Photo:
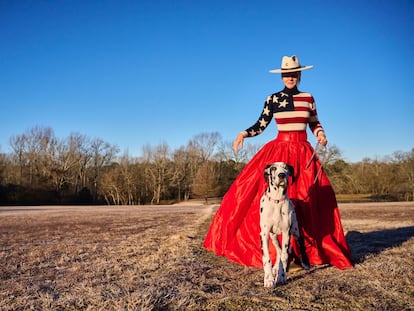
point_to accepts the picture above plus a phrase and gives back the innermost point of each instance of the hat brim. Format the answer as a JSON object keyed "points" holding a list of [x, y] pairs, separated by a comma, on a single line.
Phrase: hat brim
{"points": [[291, 70]]}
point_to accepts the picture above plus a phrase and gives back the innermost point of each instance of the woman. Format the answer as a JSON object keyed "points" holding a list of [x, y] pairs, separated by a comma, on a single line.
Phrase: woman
{"points": [[235, 230]]}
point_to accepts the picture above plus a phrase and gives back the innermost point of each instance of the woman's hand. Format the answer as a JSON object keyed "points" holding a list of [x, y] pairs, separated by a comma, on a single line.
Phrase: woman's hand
{"points": [[322, 139], [238, 142]]}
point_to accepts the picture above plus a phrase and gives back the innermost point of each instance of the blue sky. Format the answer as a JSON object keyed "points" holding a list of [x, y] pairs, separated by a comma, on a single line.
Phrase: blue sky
{"points": [[146, 72]]}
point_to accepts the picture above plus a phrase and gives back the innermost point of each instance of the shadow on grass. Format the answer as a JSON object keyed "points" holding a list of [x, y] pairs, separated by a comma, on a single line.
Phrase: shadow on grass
{"points": [[364, 244]]}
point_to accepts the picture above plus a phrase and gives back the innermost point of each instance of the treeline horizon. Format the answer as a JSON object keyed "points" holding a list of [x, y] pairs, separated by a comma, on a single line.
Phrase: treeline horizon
{"points": [[43, 169]]}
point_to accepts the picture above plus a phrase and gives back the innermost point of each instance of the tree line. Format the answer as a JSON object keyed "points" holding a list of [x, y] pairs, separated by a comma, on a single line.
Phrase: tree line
{"points": [[43, 169]]}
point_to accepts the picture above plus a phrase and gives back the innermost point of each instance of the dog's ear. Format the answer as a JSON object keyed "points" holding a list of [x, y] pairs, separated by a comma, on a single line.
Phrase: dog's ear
{"points": [[291, 172], [267, 173]]}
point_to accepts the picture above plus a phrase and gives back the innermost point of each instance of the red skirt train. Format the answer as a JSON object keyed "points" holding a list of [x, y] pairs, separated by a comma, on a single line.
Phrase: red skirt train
{"points": [[235, 229]]}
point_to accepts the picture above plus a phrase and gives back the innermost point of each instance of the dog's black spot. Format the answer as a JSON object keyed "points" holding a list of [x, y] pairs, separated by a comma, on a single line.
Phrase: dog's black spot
{"points": [[261, 210]]}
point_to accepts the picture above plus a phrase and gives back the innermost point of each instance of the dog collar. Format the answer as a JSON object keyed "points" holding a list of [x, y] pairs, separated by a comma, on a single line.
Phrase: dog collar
{"points": [[275, 200]]}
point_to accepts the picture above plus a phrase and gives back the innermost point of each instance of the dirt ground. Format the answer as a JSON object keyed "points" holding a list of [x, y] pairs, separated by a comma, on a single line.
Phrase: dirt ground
{"points": [[151, 258]]}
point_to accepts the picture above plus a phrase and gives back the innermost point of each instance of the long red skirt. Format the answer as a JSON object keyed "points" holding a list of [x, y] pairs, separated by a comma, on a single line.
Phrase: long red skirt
{"points": [[235, 229]]}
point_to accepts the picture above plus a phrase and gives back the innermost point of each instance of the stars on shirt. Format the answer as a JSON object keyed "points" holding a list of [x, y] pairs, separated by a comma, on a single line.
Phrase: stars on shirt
{"points": [[263, 123], [268, 99], [252, 132], [283, 103]]}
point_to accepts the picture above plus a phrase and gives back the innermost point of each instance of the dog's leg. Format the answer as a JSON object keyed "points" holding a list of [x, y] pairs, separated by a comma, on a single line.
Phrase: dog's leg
{"points": [[281, 274], [267, 263], [294, 230], [304, 260], [278, 264]]}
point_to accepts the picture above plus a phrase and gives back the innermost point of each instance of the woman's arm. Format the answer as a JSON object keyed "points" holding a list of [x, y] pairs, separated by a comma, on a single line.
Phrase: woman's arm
{"points": [[316, 126], [256, 129]]}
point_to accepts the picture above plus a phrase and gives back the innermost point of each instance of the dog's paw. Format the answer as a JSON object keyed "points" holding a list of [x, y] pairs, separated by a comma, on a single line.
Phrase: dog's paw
{"points": [[281, 278], [268, 281]]}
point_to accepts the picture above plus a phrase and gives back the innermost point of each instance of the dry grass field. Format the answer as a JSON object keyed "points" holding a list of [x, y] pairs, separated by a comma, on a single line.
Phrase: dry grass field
{"points": [[151, 258]]}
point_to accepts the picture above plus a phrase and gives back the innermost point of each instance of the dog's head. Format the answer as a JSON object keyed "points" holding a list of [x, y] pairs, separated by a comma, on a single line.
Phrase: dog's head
{"points": [[277, 174]]}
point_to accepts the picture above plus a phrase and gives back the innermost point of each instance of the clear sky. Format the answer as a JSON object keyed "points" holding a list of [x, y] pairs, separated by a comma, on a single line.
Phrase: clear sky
{"points": [[148, 71]]}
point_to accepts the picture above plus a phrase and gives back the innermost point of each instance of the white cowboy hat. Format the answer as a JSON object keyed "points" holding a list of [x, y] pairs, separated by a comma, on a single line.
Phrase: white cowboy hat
{"points": [[290, 64]]}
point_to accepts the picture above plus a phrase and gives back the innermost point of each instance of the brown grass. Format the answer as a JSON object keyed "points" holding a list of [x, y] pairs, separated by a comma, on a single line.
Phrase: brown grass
{"points": [[151, 258]]}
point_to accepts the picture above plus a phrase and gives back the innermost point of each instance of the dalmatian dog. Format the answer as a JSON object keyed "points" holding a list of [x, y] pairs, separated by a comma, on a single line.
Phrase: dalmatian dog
{"points": [[277, 216]]}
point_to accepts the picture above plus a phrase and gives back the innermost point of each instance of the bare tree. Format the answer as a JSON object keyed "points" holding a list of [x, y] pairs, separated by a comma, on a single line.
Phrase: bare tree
{"points": [[102, 155], [109, 186], [18, 145], [225, 152], [206, 181], [205, 144], [157, 160], [118, 184], [82, 153], [181, 177], [405, 167], [33, 151], [3, 167], [329, 154]]}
